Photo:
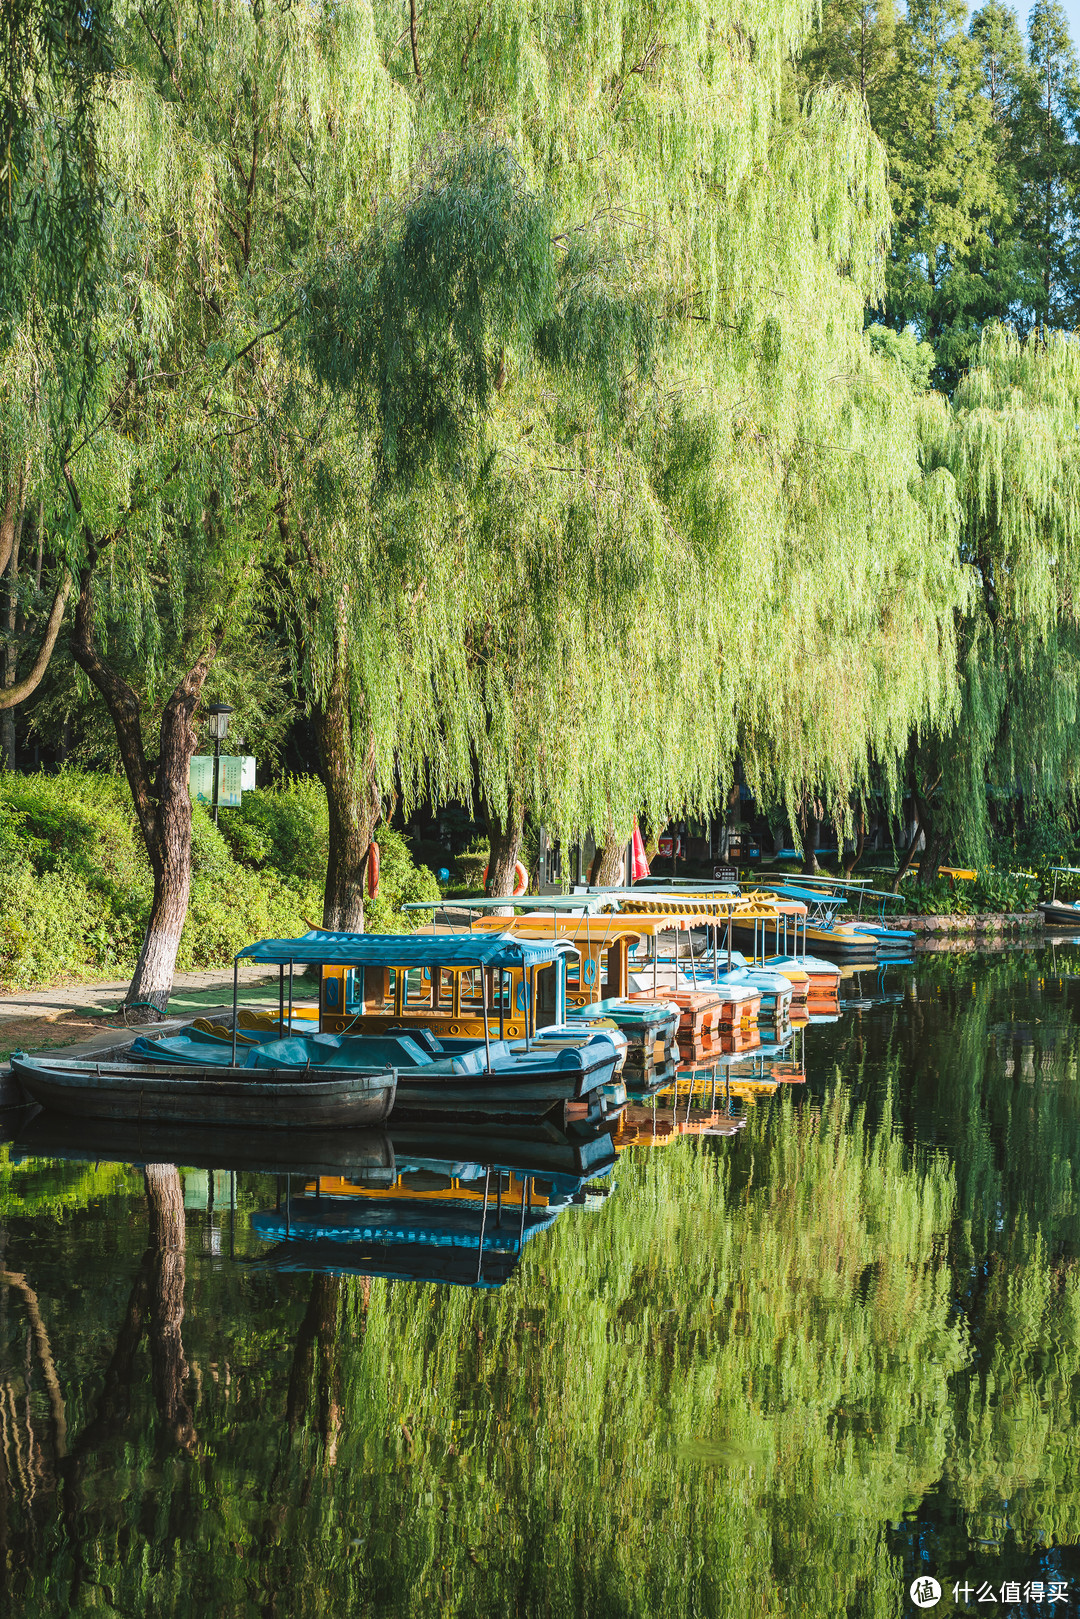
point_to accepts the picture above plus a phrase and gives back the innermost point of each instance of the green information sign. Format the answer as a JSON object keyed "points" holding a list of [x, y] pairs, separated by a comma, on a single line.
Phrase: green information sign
{"points": [[236, 776]]}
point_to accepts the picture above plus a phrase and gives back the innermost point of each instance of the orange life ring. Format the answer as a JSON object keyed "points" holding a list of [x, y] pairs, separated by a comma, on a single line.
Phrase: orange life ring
{"points": [[522, 879], [373, 869]]}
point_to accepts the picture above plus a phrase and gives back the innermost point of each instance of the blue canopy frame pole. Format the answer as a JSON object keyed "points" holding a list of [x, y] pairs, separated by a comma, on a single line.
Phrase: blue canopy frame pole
{"points": [[487, 1037], [235, 995]]}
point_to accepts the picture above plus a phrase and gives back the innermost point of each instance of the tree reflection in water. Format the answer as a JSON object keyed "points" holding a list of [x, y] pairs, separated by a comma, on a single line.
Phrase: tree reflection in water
{"points": [[756, 1380]]}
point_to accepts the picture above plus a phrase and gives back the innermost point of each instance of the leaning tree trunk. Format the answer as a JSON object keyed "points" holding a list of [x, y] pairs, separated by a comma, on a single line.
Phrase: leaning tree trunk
{"points": [[165, 1201], [353, 803], [162, 807], [162, 803]]}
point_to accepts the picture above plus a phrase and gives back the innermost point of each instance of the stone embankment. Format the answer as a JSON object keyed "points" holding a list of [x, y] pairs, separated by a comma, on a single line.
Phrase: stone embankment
{"points": [[989, 922]]}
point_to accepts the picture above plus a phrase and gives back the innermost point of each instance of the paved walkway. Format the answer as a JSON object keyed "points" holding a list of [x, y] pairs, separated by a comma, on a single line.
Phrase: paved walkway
{"points": [[188, 988]]}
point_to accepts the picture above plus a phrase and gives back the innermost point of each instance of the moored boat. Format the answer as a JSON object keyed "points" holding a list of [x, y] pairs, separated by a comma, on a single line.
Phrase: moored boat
{"points": [[1061, 913], [267, 1098]]}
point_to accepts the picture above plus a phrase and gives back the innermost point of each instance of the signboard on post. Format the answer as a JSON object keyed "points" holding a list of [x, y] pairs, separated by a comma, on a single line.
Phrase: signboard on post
{"points": [[236, 775]]}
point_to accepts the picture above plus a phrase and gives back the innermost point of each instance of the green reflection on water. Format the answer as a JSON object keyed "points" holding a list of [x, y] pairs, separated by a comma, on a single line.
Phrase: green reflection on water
{"points": [[719, 1394]]}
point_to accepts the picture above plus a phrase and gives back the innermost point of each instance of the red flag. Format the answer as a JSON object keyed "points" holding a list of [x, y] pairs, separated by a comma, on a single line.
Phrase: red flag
{"points": [[639, 866]]}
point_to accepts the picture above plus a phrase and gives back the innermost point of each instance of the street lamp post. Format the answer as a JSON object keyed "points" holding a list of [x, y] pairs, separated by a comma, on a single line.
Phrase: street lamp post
{"points": [[218, 722]]}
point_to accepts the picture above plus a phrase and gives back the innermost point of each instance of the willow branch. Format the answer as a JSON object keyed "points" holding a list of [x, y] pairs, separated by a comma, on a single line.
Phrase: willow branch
{"points": [[11, 695], [269, 332], [412, 42]]}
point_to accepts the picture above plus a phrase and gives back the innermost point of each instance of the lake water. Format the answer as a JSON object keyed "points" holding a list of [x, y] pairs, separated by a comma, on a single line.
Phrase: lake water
{"points": [[782, 1372]]}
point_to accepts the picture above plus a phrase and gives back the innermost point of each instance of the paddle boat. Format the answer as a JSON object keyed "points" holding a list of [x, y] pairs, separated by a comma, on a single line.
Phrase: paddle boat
{"points": [[596, 982], [1061, 913], [848, 941], [833, 894]]}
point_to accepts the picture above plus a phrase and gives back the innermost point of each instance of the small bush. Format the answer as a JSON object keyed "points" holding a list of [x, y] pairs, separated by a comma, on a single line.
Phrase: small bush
{"points": [[285, 828]]}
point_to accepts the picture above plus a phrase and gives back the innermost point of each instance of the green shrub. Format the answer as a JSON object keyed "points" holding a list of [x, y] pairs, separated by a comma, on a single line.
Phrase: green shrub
{"points": [[285, 828], [994, 890], [75, 884]]}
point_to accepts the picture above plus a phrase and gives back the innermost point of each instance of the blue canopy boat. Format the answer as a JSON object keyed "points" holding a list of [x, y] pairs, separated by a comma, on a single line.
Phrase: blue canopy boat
{"points": [[437, 1076]]}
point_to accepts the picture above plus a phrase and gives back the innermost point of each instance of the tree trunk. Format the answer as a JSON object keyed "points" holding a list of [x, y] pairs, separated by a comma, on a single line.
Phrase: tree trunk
{"points": [[165, 1201], [811, 839], [314, 1380], [608, 864], [931, 858], [505, 831], [162, 807], [353, 803], [852, 860], [7, 715]]}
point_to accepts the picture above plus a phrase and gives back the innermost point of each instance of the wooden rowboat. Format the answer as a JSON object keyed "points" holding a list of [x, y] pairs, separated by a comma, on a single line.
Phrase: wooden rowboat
{"points": [[268, 1098]]}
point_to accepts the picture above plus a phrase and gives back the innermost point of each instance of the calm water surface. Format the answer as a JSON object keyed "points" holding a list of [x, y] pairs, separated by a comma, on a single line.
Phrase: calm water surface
{"points": [[782, 1372]]}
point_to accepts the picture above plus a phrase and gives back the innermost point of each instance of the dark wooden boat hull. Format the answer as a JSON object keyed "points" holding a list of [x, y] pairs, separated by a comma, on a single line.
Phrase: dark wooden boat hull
{"points": [[507, 1095], [1066, 917], [363, 1156], [266, 1098]]}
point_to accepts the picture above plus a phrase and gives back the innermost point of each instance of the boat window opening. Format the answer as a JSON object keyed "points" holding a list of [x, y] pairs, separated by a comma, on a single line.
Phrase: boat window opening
{"points": [[546, 989], [354, 990], [472, 988], [417, 989]]}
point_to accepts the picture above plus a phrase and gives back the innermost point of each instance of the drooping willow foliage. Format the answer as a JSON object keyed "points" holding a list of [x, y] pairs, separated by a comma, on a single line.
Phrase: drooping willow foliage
{"points": [[682, 501], [1010, 446], [523, 362]]}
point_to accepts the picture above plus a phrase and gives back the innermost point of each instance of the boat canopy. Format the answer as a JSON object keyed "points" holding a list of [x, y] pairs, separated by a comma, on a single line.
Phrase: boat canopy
{"points": [[407, 950], [585, 903]]}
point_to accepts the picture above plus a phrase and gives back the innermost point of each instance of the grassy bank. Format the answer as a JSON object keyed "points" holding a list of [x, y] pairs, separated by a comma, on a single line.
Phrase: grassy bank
{"points": [[75, 884]]}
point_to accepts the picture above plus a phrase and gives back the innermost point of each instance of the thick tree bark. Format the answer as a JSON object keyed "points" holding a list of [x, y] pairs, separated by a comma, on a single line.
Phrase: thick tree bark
{"points": [[607, 869], [353, 803], [504, 844], [165, 1202], [931, 858], [162, 806]]}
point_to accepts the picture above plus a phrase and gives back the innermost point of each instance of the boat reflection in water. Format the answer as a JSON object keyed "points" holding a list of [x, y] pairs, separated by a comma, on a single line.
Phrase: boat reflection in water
{"points": [[411, 1205]]}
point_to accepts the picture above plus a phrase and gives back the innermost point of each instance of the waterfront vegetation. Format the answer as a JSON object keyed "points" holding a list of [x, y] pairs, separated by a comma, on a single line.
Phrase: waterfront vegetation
{"points": [[757, 1379], [76, 886], [541, 410]]}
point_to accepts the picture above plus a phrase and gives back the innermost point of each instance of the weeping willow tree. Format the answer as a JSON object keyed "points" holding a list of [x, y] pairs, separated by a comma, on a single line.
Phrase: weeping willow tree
{"points": [[164, 486], [1010, 446], [681, 496], [524, 357]]}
